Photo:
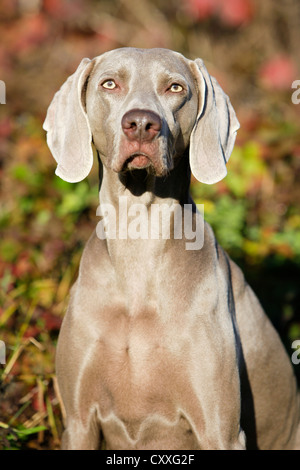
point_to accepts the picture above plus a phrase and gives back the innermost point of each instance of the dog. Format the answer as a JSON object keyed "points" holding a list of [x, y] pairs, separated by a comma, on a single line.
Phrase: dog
{"points": [[163, 346]]}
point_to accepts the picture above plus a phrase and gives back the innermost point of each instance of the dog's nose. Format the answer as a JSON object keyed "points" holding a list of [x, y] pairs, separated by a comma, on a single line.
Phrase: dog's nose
{"points": [[142, 125]]}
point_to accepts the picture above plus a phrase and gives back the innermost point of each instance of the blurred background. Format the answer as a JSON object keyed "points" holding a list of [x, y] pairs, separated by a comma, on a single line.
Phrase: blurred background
{"points": [[252, 48]]}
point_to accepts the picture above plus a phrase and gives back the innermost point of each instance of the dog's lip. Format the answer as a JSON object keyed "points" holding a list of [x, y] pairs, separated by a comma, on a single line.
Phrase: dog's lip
{"points": [[137, 160]]}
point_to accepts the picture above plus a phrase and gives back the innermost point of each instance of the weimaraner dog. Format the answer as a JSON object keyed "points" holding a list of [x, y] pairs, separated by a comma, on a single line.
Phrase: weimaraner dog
{"points": [[164, 345]]}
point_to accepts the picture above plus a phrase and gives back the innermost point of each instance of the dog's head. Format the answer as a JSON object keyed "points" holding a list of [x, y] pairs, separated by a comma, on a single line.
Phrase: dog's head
{"points": [[142, 108]]}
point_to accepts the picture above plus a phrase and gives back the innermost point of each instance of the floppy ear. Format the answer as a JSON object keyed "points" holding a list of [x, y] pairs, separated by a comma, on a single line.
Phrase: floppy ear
{"points": [[68, 131], [214, 133]]}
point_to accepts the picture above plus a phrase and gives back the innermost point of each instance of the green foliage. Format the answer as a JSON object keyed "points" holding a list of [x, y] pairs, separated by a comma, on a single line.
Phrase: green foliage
{"points": [[245, 209], [228, 219], [15, 438], [75, 198], [245, 166]]}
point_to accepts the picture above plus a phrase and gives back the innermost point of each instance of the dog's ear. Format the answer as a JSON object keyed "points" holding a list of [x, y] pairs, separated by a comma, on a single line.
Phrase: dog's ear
{"points": [[68, 131], [213, 136]]}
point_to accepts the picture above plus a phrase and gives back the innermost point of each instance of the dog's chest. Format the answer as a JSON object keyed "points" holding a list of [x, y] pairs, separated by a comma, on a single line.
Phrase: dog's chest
{"points": [[139, 376], [138, 352]]}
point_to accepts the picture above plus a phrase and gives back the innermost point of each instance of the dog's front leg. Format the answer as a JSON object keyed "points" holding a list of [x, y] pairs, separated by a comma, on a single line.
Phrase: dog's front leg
{"points": [[213, 401]]}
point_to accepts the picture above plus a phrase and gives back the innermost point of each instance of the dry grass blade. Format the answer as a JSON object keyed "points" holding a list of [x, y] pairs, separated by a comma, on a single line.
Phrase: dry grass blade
{"points": [[8, 313], [51, 420], [58, 396], [17, 354], [41, 406], [36, 419]]}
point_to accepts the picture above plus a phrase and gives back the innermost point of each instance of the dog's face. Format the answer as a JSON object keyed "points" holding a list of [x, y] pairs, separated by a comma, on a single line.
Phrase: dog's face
{"points": [[142, 108]]}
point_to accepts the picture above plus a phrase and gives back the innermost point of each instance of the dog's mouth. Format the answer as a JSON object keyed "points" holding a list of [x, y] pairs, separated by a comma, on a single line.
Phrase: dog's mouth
{"points": [[134, 156], [136, 161]]}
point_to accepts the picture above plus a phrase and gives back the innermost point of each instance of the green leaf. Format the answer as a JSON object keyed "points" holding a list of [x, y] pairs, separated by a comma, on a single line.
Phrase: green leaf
{"points": [[228, 220], [27, 432]]}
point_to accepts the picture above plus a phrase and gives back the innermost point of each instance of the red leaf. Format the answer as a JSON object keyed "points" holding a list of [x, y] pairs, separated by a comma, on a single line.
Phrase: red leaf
{"points": [[296, 151], [6, 127], [54, 7], [32, 331], [231, 12], [38, 403], [30, 31], [52, 322], [236, 12], [63, 9], [22, 266], [278, 73], [202, 9]]}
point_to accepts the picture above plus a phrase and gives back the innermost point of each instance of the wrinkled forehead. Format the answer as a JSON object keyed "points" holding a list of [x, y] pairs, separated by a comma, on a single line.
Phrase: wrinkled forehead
{"points": [[143, 62]]}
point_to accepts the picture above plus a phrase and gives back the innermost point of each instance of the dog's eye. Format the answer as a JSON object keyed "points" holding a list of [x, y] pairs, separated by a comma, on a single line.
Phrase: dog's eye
{"points": [[109, 84], [176, 88]]}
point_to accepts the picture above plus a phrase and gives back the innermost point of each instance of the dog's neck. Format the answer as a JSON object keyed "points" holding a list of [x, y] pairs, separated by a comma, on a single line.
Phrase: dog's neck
{"points": [[143, 187], [128, 253]]}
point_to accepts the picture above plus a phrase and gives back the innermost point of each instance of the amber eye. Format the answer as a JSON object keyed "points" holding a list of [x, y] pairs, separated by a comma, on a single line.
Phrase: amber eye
{"points": [[176, 88], [109, 84]]}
